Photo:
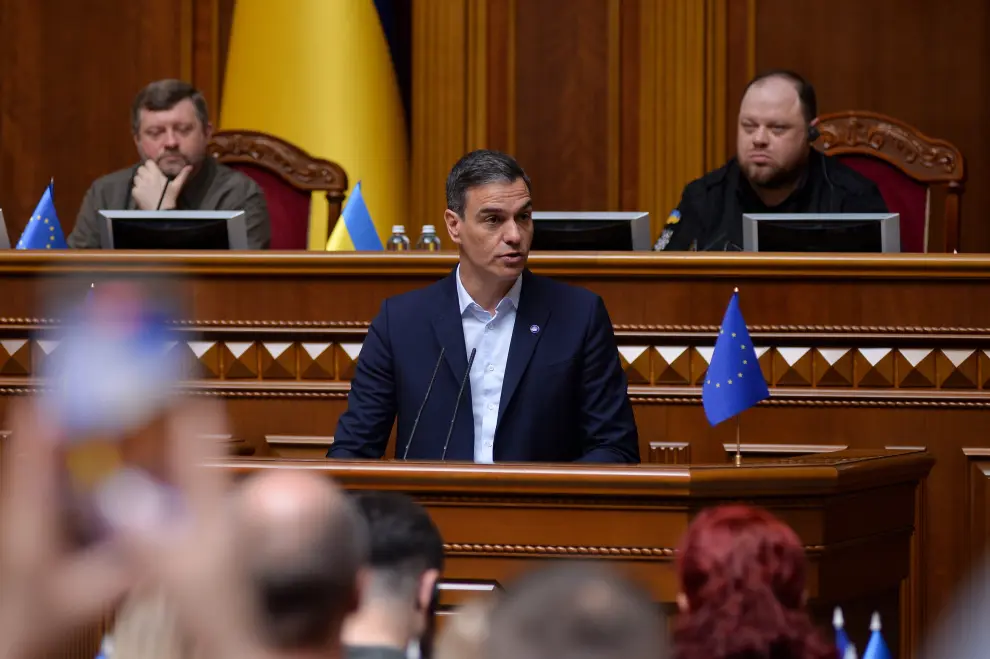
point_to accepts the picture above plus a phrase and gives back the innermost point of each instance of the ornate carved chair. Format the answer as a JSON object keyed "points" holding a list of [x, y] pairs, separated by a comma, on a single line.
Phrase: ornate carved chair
{"points": [[288, 176], [908, 167]]}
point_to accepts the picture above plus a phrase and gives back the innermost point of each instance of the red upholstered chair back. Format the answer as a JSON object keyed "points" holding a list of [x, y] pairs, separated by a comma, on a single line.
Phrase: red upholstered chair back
{"points": [[288, 176], [906, 165]]}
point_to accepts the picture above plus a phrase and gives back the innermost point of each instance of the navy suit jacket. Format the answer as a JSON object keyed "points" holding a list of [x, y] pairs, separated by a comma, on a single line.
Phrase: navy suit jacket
{"points": [[564, 395]]}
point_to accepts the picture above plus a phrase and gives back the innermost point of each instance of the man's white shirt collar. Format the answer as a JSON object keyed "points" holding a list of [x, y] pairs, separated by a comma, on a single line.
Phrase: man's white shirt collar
{"points": [[465, 300]]}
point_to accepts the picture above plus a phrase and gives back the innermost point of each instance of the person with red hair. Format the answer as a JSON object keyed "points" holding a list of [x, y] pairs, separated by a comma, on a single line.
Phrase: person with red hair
{"points": [[742, 590]]}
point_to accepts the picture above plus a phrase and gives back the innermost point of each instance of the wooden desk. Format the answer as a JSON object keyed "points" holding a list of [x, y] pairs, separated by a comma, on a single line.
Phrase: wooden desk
{"points": [[861, 352], [854, 511]]}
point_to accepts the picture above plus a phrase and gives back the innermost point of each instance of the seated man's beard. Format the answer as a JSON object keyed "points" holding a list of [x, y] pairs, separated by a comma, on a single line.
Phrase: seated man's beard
{"points": [[774, 178]]}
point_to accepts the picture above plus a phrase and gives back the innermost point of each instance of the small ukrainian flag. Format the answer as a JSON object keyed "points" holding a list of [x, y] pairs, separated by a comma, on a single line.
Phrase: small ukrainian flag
{"points": [[355, 229], [43, 230]]}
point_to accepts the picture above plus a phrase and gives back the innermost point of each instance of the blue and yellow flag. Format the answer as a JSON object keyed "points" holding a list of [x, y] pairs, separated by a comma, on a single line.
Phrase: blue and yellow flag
{"points": [[318, 73], [43, 230], [355, 230], [734, 381]]}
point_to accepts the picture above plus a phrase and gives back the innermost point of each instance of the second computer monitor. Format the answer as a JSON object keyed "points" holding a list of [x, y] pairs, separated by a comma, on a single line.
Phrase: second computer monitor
{"points": [[822, 232], [605, 231]]}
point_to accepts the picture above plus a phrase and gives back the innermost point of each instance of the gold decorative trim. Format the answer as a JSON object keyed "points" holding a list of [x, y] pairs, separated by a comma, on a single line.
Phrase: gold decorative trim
{"points": [[558, 551], [896, 332]]}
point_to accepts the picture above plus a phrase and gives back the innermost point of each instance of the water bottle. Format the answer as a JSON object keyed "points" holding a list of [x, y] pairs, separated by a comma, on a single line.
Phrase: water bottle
{"points": [[428, 240], [398, 242]]}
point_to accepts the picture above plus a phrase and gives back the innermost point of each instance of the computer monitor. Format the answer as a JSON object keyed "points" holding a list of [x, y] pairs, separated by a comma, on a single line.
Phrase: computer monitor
{"points": [[4, 237], [591, 231], [173, 230], [822, 232]]}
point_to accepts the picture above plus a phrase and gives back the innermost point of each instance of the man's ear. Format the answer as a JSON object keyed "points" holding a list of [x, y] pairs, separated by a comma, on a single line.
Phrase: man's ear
{"points": [[208, 130], [682, 603], [453, 222], [427, 584]]}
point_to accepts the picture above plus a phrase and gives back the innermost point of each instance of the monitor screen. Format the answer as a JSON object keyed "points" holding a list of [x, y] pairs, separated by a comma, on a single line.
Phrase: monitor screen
{"points": [[620, 232], [182, 230], [817, 232]]}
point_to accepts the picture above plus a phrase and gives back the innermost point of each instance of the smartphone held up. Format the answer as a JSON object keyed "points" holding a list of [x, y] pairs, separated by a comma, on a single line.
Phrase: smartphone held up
{"points": [[110, 385]]}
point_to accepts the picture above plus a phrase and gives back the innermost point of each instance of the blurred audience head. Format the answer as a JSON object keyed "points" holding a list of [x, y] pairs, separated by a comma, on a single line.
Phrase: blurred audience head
{"points": [[171, 125], [465, 634], [742, 579], [774, 134], [304, 546], [575, 611], [405, 563]]}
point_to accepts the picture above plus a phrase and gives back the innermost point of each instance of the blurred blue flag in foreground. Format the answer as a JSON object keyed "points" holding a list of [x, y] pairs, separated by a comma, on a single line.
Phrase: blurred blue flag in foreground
{"points": [[734, 381], [43, 230], [841, 638], [877, 647]]}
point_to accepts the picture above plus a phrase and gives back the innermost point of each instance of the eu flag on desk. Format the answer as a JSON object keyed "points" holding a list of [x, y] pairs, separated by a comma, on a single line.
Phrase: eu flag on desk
{"points": [[43, 230], [734, 381]]}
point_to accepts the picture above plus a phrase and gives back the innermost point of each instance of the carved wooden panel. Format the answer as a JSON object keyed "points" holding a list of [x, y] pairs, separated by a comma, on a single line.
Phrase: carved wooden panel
{"points": [[917, 155], [295, 166], [802, 368]]}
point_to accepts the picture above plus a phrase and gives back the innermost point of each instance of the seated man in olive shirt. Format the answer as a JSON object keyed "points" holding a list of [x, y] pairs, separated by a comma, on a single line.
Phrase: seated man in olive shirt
{"points": [[171, 130], [776, 170]]}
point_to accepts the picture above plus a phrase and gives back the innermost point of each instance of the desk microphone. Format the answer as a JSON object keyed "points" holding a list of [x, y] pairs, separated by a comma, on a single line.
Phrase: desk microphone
{"points": [[425, 398], [443, 456], [168, 179]]}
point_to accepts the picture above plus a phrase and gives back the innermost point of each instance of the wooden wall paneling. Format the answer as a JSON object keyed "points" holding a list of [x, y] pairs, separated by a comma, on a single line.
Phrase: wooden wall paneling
{"points": [[204, 52], [70, 72], [867, 62], [561, 102], [441, 68], [500, 78], [682, 79]]}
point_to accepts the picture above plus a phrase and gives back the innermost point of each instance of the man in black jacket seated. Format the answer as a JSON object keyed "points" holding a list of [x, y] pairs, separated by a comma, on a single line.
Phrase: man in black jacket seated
{"points": [[775, 170]]}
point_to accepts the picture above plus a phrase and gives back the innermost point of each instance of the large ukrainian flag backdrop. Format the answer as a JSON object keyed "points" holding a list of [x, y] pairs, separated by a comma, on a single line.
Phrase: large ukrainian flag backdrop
{"points": [[318, 73]]}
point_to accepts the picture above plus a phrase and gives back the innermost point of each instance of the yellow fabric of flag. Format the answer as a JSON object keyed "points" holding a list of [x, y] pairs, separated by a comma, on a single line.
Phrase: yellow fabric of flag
{"points": [[318, 74]]}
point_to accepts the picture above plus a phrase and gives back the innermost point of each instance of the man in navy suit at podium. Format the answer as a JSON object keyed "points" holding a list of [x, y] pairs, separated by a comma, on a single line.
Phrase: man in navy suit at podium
{"points": [[492, 363]]}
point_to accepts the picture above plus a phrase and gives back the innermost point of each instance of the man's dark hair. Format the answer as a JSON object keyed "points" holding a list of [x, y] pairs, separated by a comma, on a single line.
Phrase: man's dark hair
{"points": [[480, 167], [805, 90], [403, 540], [575, 611], [302, 597], [164, 95]]}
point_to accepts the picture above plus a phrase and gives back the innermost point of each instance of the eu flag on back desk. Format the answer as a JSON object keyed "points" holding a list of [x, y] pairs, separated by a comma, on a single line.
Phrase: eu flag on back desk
{"points": [[734, 381], [43, 230]]}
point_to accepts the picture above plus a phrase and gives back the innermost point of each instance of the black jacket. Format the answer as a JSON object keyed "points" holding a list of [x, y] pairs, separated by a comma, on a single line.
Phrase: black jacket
{"points": [[709, 216]]}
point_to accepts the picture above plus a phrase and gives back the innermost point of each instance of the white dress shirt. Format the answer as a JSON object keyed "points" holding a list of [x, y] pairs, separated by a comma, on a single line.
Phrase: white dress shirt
{"points": [[491, 334]]}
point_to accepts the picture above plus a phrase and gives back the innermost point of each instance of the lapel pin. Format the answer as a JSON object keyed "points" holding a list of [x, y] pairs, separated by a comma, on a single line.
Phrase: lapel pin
{"points": [[534, 328]]}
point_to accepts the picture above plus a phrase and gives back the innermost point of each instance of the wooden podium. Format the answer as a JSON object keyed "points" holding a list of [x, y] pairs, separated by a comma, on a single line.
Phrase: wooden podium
{"points": [[855, 511]]}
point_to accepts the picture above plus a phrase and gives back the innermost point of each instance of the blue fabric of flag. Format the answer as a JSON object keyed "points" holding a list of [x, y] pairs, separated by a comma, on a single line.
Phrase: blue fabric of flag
{"points": [[734, 381]]}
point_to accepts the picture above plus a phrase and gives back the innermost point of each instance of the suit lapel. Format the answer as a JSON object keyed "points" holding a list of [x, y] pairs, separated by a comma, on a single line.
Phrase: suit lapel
{"points": [[531, 321], [450, 331]]}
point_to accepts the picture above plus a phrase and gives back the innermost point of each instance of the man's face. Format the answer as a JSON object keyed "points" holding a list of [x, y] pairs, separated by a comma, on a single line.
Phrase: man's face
{"points": [[173, 138], [772, 142], [497, 228]]}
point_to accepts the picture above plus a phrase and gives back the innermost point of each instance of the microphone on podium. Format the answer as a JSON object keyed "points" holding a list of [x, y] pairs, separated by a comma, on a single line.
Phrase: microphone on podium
{"points": [[460, 393], [429, 388]]}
